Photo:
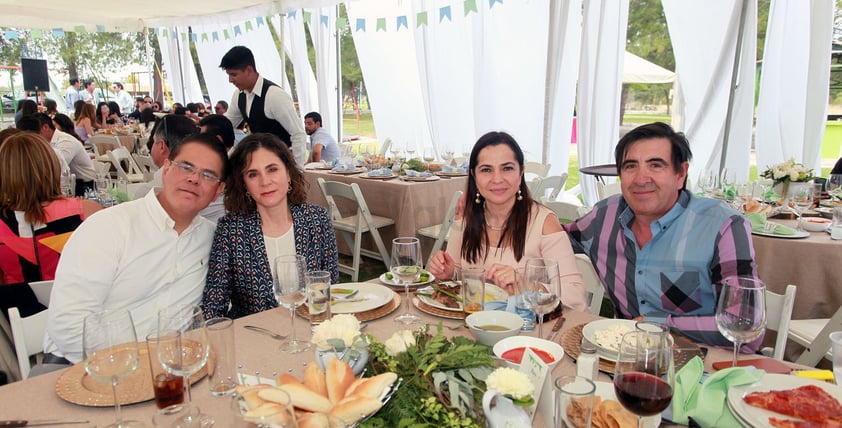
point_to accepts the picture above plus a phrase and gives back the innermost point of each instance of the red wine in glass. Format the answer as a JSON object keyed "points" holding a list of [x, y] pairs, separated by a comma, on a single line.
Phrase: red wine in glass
{"points": [[642, 394]]}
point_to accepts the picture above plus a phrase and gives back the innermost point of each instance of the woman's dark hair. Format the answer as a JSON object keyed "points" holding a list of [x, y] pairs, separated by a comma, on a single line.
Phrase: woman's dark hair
{"points": [[114, 107], [236, 195], [679, 145], [51, 106], [27, 106], [66, 125], [475, 241], [146, 116]]}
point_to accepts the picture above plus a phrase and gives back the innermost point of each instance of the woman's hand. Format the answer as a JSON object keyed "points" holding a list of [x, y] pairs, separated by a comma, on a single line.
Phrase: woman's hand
{"points": [[503, 276], [441, 265]]}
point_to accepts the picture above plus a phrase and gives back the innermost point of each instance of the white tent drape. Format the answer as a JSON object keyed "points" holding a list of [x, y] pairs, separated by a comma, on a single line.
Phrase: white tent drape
{"points": [[600, 77], [295, 45], [792, 106], [179, 70], [704, 63], [322, 27]]}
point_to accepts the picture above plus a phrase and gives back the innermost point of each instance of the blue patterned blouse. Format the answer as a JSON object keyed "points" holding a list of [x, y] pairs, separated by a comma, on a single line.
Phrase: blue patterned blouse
{"points": [[238, 269]]}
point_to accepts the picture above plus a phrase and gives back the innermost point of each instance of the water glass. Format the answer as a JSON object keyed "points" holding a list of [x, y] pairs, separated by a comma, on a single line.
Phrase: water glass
{"points": [[473, 289], [836, 226], [318, 296], [836, 348], [222, 372]]}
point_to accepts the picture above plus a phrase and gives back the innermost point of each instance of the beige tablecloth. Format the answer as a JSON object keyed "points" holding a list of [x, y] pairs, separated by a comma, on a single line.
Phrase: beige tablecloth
{"points": [[36, 397], [812, 264], [412, 205]]}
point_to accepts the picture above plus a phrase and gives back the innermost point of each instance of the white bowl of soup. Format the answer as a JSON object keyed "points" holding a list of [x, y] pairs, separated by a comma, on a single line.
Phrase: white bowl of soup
{"points": [[489, 327]]}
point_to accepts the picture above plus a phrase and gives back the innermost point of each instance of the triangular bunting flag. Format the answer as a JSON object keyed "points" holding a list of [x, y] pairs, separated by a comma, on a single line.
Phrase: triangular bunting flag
{"points": [[184, 37], [259, 20], [492, 2], [194, 37], [80, 29], [100, 28], [323, 20], [36, 34], [401, 21], [291, 14], [381, 24], [215, 36], [11, 35], [204, 37], [341, 23], [306, 15], [173, 33], [420, 19], [361, 25], [164, 32], [226, 34], [58, 32], [55, 242], [237, 31], [444, 12], [249, 27], [470, 6]]}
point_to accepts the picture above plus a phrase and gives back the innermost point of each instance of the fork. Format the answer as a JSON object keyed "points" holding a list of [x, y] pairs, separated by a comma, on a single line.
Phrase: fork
{"points": [[269, 333]]}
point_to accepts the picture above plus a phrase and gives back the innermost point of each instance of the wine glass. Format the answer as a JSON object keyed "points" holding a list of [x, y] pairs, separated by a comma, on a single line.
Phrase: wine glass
{"points": [[802, 200], [834, 185], [111, 352], [448, 156], [291, 292], [430, 155], [762, 187], [541, 288], [707, 181], [410, 150], [644, 374], [406, 266], [183, 350], [741, 311]]}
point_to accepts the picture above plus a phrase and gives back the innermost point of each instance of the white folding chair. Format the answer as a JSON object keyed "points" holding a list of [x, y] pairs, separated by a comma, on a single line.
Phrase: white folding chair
{"points": [[102, 168], [130, 172], [439, 232], [102, 143], [778, 314], [28, 335], [593, 284], [565, 211], [554, 182], [814, 335], [537, 168], [606, 190], [352, 227], [42, 290], [146, 164]]}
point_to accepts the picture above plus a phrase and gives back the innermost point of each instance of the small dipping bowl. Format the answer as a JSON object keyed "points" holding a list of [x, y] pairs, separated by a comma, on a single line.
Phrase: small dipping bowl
{"points": [[489, 327]]}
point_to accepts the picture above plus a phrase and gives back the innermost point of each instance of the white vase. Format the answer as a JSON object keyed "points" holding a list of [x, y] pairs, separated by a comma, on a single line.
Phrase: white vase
{"points": [[503, 413], [356, 358]]}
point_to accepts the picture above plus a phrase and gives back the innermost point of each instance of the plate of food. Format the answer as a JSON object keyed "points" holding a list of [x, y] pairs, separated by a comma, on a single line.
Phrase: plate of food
{"points": [[830, 203], [356, 297], [446, 295], [420, 179], [452, 173], [606, 335], [425, 278], [787, 398]]}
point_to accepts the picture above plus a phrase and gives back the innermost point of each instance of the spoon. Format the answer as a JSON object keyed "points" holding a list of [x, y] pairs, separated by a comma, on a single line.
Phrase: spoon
{"points": [[269, 333]]}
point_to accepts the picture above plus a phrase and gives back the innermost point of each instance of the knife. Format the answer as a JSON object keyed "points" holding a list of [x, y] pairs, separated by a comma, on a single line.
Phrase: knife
{"points": [[36, 422], [556, 328]]}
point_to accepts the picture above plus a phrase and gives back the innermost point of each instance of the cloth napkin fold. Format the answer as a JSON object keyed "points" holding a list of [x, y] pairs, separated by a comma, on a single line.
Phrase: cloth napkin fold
{"points": [[382, 172], [417, 174], [458, 168], [707, 403], [344, 167], [758, 223]]}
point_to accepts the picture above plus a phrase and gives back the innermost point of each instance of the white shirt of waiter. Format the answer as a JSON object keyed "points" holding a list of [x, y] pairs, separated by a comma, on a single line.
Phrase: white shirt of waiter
{"points": [[128, 256], [279, 107], [73, 153]]}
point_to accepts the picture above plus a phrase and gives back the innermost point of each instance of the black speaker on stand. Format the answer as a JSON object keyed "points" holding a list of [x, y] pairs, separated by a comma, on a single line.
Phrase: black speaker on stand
{"points": [[35, 76]]}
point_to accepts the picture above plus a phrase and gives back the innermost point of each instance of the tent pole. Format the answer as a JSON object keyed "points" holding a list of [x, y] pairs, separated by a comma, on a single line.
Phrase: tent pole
{"points": [[281, 17], [338, 81], [735, 72], [148, 59]]}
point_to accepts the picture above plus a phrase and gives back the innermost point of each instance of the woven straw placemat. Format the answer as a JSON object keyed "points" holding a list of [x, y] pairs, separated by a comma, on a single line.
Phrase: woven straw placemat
{"points": [[369, 315], [571, 340]]}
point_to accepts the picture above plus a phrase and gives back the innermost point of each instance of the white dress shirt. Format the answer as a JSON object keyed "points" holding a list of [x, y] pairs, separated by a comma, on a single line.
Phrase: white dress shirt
{"points": [[125, 101], [278, 106], [73, 152], [126, 257]]}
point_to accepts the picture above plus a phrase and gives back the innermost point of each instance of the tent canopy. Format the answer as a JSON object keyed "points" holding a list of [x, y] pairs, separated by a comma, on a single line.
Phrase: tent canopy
{"points": [[135, 16], [639, 70]]}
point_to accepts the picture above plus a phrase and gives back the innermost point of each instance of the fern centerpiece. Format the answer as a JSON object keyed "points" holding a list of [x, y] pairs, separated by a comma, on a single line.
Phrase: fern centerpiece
{"points": [[443, 379]]}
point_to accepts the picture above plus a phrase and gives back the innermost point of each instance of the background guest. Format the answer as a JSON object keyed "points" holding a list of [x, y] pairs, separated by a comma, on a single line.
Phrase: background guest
{"points": [[85, 121], [25, 107], [65, 124], [51, 108], [268, 216]]}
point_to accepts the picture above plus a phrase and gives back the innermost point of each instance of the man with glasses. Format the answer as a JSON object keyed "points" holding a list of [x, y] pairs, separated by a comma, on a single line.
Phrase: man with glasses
{"points": [[143, 255], [167, 133], [221, 107]]}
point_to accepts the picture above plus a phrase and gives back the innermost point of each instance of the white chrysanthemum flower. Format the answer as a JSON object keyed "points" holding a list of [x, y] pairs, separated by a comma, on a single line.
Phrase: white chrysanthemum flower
{"points": [[399, 342], [345, 327], [508, 381]]}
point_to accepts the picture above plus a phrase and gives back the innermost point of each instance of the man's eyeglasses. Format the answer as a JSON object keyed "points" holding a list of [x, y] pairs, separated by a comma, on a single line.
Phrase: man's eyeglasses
{"points": [[189, 170]]}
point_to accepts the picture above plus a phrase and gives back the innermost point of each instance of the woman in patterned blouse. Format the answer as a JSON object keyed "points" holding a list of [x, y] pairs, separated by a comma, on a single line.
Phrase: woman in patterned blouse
{"points": [[268, 216]]}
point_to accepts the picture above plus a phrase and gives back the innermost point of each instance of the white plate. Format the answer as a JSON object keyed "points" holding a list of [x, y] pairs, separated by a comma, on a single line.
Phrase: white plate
{"points": [[375, 296], [378, 177], [605, 390], [757, 417], [394, 282], [798, 235], [421, 179], [347, 171], [494, 293], [589, 332]]}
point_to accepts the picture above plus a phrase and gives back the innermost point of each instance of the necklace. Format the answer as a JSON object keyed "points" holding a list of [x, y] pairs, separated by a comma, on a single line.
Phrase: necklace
{"points": [[494, 228]]}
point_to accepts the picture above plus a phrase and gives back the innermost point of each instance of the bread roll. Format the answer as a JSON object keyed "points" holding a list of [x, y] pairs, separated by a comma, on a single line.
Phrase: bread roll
{"points": [[251, 396], [301, 397], [339, 377], [314, 378], [373, 387], [268, 414], [313, 420], [285, 378], [354, 410]]}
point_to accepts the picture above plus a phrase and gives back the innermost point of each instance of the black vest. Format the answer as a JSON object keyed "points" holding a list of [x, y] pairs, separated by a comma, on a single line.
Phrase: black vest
{"points": [[257, 120]]}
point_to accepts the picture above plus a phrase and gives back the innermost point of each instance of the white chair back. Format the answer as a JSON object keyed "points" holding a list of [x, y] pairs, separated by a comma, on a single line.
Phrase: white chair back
{"points": [[146, 164], [592, 283], [604, 190], [554, 183], [565, 211], [778, 314], [130, 172], [102, 143], [814, 335], [28, 335], [440, 231], [42, 290]]}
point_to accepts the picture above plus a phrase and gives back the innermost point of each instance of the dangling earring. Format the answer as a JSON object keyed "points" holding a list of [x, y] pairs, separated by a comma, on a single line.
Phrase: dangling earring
{"points": [[477, 201], [248, 196], [519, 195], [289, 187]]}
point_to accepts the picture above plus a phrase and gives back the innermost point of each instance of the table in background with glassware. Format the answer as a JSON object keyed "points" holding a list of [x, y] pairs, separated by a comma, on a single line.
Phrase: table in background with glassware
{"points": [[412, 205]]}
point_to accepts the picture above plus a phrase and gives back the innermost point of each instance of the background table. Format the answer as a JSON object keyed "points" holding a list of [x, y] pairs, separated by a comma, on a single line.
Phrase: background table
{"points": [[599, 171], [412, 205], [35, 398]]}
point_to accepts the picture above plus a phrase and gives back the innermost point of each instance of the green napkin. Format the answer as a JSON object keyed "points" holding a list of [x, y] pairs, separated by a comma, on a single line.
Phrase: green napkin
{"points": [[707, 403], [758, 222]]}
